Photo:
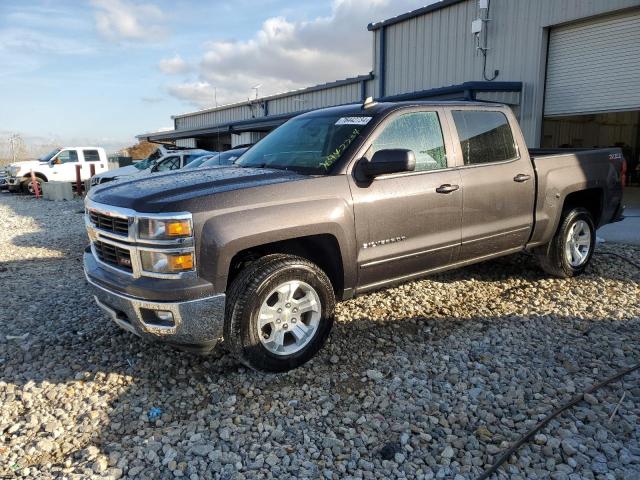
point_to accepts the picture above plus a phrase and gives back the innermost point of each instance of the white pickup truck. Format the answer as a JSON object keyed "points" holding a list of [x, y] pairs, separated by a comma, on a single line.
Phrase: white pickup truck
{"points": [[58, 165]]}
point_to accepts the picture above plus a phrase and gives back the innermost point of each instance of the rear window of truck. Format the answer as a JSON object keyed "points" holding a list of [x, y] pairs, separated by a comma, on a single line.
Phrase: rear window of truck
{"points": [[485, 137]]}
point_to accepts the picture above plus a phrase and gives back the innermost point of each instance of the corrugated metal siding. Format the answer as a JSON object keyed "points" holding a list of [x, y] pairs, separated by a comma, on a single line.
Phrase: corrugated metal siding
{"points": [[294, 102], [226, 115], [186, 142], [438, 49], [594, 66], [317, 99]]}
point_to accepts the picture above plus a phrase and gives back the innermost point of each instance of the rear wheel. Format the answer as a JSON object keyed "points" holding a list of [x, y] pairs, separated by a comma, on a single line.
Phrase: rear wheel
{"points": [[279, 313], [571, 248]]}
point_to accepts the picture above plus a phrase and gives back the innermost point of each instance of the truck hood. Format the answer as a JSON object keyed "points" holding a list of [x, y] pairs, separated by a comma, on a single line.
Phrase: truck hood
{"points": [[177, 191], [25, 165]]}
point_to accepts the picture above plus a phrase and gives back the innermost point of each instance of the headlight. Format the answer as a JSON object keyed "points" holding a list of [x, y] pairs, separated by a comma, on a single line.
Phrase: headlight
{"points": [[154, 229], [159, 262]]}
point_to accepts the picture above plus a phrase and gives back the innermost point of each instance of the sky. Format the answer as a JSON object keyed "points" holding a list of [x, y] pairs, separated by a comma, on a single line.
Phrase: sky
{"points": [[99, 72]]}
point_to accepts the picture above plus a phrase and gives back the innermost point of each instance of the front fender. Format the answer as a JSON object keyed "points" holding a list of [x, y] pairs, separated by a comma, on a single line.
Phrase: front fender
{"points": [[228, 233]]}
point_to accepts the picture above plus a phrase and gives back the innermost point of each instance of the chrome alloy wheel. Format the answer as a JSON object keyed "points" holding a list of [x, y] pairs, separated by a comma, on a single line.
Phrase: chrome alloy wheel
{"points": [[577, 244], [289, 317]]}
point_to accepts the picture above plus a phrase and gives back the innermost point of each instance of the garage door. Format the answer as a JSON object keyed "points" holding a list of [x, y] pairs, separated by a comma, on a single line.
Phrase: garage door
{"points": [[594, 66]]}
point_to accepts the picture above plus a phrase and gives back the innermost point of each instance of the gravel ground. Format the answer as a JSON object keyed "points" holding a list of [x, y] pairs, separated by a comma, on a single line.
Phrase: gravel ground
{"points": [[432, 379]]}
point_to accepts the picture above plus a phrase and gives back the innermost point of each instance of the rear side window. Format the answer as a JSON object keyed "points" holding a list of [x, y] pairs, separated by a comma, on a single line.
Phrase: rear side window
{"points": [[91, 156], [485, 137], [420, 132]]}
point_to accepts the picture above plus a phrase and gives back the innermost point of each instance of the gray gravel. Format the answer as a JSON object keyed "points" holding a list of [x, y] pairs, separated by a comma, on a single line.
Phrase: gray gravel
{"points": [[432, 379]]}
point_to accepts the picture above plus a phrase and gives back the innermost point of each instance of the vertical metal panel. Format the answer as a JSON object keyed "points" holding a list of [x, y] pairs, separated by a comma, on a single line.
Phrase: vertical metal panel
{"points": [[594, 66], [445, 53], [186, 142]]}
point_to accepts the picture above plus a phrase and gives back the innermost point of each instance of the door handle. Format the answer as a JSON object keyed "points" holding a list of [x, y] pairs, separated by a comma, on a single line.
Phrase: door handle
{"points": [[447, 188], [521, 177]]}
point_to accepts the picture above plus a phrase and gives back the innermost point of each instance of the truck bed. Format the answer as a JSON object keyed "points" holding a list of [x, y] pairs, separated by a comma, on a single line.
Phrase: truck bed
{"points": [[595, 173]]}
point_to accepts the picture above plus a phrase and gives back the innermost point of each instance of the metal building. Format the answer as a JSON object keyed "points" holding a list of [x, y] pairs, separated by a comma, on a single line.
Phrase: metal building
{"points": [[570, 69]]}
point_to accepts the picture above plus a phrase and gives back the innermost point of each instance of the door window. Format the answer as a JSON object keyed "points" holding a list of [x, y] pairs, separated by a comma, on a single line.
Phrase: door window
{"points": [[420, 132], [91, 156], [485, 137], [169, 163], [66, 156]]}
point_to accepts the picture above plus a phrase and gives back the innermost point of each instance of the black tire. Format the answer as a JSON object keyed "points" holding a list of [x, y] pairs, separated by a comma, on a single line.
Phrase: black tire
{"points": [[552, 256], [27, 186], [246, 295]]}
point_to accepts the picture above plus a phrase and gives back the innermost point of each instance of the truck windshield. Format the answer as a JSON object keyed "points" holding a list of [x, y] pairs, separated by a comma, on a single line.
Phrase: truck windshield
{"points": [[310, 145], [48, 156]]}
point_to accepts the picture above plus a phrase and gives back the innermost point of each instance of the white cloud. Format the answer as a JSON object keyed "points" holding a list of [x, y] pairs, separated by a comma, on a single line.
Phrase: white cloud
{"points": [[174, 65], [198, 93], [119, 20], [285, 55]]}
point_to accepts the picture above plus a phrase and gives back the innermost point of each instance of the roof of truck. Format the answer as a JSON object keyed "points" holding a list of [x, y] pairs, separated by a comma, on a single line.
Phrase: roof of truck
{"points": [[380, 107]]}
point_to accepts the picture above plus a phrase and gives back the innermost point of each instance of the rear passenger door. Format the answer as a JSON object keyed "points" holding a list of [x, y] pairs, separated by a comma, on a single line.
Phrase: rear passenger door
{"points": [[405, 226], [498, 183]]}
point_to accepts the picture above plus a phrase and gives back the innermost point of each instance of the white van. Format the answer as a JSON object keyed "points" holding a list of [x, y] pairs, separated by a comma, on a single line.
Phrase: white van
{"points": [[58, 165]]}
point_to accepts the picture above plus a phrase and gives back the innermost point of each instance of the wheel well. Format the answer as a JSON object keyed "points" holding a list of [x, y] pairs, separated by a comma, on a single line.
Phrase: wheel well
{"points": [[323, 250], [41, 176], [591, 199]]}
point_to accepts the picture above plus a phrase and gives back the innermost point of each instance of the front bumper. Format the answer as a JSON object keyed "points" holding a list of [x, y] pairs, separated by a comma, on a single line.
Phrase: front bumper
{"points": [[194, 325]]}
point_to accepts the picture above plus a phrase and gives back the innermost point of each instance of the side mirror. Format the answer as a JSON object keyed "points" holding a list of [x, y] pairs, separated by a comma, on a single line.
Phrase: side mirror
{"points": [[388, 161]]}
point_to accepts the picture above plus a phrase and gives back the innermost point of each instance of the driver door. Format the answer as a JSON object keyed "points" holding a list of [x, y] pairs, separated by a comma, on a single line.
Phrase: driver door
{"points": [[406, 223], [63, 168]]}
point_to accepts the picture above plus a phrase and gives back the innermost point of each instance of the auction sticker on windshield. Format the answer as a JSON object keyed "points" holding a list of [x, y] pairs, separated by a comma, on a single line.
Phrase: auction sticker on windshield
{"points": [[353, 121]]}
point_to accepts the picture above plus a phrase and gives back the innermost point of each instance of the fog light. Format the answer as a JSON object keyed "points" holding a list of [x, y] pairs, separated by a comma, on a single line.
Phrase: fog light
{"points": [[164, 316]]}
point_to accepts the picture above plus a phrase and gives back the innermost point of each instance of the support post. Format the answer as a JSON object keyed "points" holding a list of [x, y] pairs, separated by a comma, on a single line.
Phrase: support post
{"points": [[78, 180], [35, 185]]}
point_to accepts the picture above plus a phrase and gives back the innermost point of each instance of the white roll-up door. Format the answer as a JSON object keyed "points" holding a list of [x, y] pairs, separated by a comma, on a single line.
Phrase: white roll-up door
{"points": [[594, 66]]}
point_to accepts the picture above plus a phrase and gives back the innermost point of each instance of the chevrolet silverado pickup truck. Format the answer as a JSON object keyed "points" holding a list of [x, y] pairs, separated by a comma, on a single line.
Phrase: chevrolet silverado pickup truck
{"points": [[332, 204]]}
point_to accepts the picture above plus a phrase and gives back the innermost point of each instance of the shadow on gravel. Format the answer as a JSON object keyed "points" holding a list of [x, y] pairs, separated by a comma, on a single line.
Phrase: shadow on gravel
{"points": [[69, 374]]}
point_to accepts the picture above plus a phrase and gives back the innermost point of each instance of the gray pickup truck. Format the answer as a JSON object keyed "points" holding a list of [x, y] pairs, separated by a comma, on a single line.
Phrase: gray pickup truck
{"points": [[335, 203]]}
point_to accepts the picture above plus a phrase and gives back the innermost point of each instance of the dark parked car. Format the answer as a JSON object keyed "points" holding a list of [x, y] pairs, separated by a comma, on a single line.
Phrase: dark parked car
{"points": [[335, 203], [220, 159]]}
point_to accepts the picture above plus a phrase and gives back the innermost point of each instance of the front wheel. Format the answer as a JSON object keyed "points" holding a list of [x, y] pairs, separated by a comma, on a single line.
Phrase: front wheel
{"points": [[571, 248], [27, 186], [279, 313]]}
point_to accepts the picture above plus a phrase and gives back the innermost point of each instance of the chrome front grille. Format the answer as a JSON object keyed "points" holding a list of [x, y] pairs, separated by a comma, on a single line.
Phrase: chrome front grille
{"points": [[108, 223], [115, 243], [113, 255]]}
